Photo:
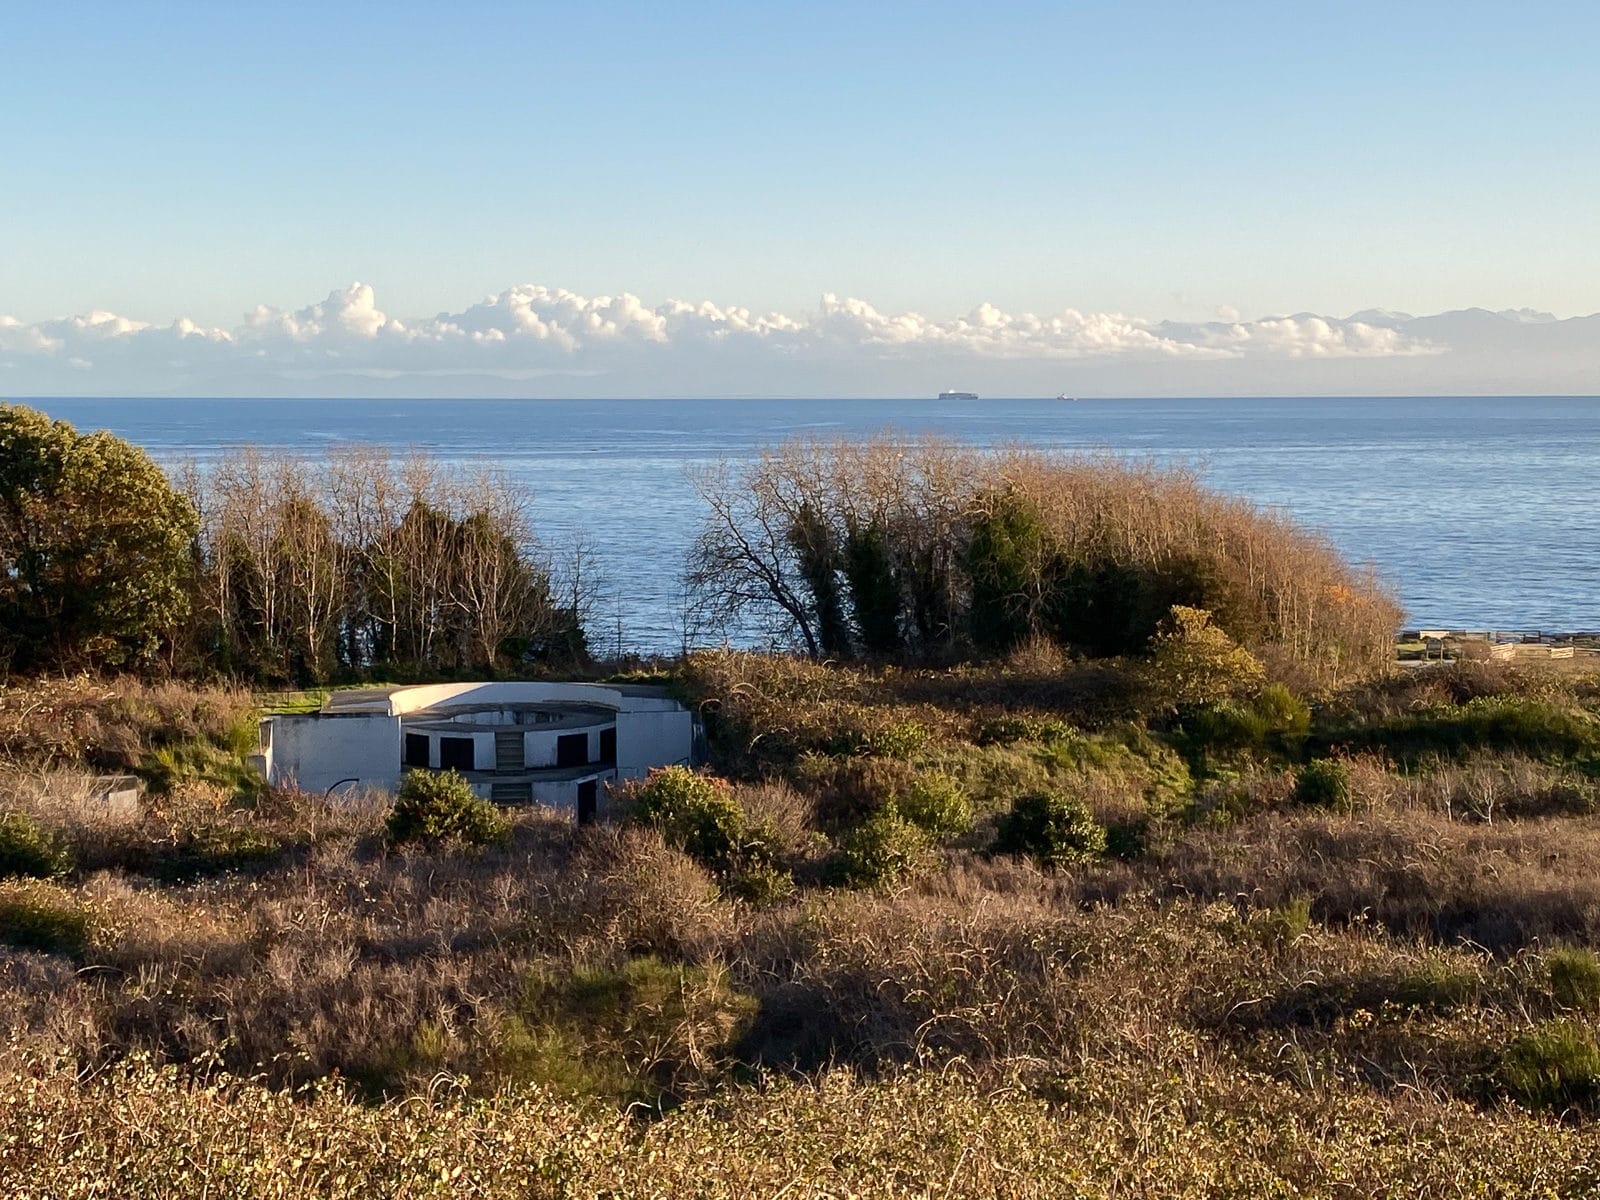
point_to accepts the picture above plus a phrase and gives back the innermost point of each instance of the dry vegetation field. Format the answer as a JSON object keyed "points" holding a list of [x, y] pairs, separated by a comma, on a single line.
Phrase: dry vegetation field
{"points": [[1262, 944]]}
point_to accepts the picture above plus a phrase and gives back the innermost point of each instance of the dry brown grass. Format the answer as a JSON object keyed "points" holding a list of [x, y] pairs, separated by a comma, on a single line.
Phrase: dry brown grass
{"points": [[1090, 988], [1505, 887], [1259, 995], [1126, 1132], [112, 724], [335, 960], [1484, 787]]}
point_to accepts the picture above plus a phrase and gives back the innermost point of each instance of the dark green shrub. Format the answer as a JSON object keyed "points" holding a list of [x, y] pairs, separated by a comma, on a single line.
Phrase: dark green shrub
{"points": [[874, 589], [35, 916], [696, 813], [935, 804], [754, 872], [759, 882], [1537, 728], [1051, 828], [632, 1031], [1574, 978], [1273, 722], [1553, 1065], [440, 806], [880, 851], [900, 739], [845, 791], [204, 759], [1128, 840], [1437, 987], [1006, 548], [26, 849], [857, 735], [1324, 783], [1282, 719], [1231, 797], [817, 558], [699, 815]]}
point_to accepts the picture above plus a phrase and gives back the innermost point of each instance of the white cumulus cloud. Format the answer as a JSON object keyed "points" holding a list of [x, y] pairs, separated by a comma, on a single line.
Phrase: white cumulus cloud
{"points": [[531, 331]]}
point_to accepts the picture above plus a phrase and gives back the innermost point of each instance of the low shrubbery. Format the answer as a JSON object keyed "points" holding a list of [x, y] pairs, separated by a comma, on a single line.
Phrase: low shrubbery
{"points": [[1540, 728], [28, 850], [882, 850], [1204, 905], [1273, 722], [1324, 783], [1553, 1065], [38, 916], [215, 848], [935, 804], [628, 1032], [1136, 1130], [641, 1031], [700, 815], [1053, 829], [1229, 797], [1006, 728], [1574, 978], [440, 806]]}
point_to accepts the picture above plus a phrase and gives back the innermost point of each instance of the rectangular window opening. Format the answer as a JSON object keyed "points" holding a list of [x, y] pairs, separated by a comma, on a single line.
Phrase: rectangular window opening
{"points": [[416, 754], [455, 753]]}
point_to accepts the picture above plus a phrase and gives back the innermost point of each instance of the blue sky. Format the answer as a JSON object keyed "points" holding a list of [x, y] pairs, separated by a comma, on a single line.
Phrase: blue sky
{"points": [[1170, 161]]}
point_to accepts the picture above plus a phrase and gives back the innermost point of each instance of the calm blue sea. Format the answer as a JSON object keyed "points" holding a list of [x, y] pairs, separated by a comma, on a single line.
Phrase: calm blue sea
{"points": [[1481, 512]]}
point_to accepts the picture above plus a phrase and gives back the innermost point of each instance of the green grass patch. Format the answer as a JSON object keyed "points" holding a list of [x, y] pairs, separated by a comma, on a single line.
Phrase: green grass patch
{"points": [[1574, 976], [1553, 1065], [28, 850], [37, 916], [216, 849], [1538, 728]]}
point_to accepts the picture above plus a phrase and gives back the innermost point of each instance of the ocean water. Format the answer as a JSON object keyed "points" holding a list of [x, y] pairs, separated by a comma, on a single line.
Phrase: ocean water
{"points": [[1480, 512]]}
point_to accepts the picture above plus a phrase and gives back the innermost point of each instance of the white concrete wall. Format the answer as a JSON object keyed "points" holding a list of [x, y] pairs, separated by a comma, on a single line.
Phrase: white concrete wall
{"points": [[412, 699], [318, 750], [490, 716], [539, 745], [563, 795], [315, 751], [652, 739], [556, 793], [482, 745]]}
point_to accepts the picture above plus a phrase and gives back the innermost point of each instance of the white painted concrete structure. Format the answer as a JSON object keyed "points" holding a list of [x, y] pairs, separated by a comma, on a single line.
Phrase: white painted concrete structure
{"points": [[556, 744]]}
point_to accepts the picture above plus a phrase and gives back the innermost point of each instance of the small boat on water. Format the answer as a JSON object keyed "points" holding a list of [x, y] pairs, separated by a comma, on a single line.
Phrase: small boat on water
{"points": [[958, 395], [1064, 396]]}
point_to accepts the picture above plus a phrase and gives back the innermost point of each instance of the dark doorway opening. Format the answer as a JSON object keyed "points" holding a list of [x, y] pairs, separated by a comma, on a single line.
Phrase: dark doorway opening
{"points": [[416, 750], [588, 801], [455, 753], [572, 750], [608, 745]]}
